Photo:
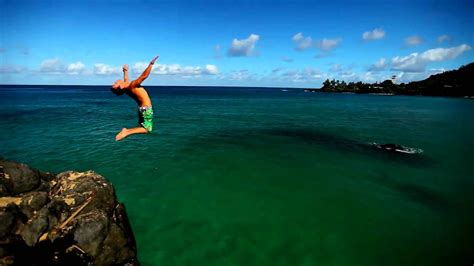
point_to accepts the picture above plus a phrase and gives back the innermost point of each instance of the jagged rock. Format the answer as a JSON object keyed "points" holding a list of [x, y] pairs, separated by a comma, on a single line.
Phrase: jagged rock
{"points": [[32, 202], [7, 260], [72, 218], [75, 188], [19, 178], [6, 223], [91, 230], [3, 190], [117, 240], [35, 228], [47, 176]]}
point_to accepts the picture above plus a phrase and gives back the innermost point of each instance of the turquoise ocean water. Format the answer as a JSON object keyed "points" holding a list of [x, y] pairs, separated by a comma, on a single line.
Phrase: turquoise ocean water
{"points": [[260, 176]]}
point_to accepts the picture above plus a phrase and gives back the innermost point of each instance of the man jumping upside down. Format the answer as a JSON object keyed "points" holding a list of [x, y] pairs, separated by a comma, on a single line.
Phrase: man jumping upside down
{"points": [[139, 94]]}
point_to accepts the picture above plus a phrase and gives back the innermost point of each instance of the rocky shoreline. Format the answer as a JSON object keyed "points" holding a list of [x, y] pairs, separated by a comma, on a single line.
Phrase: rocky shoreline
{"points": [[66, 219]]}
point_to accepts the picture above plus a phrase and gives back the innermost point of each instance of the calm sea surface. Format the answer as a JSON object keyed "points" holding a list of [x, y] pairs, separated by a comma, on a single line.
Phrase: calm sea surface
{"points": [[249, 176]]}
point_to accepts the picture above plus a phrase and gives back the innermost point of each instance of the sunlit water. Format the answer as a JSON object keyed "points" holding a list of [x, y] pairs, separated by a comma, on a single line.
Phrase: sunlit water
{"points": [[247, 176]]}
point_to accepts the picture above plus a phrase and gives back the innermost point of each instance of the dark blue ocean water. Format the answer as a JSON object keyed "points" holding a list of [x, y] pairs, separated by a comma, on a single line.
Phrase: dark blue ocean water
{"points": [[265, 176]]}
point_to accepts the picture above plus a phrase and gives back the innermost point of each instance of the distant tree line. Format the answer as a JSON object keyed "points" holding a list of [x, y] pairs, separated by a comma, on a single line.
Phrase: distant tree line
{"points": [[458, 82]]}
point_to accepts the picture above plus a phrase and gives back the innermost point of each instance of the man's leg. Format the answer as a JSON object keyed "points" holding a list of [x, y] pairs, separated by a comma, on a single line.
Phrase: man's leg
{"points": [[129, 131]]}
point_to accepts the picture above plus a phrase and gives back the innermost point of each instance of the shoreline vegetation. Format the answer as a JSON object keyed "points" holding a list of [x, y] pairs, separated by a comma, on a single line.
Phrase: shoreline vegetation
{"points": [[454, 83]]}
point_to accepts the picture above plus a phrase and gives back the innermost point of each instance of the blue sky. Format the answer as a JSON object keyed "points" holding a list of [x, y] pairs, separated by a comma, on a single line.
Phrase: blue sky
{"points": [[232, 43]]}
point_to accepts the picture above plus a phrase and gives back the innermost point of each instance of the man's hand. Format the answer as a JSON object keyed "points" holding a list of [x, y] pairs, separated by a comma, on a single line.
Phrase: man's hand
{"points": [[125, 68], [154, 59]]}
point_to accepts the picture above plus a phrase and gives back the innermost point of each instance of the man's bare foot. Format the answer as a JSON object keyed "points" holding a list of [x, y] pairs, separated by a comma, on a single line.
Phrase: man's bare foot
{"points": [[121, 135]]}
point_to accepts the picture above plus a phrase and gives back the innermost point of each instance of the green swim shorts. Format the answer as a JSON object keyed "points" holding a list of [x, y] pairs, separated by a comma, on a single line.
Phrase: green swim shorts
{"points": [[145, 117]]}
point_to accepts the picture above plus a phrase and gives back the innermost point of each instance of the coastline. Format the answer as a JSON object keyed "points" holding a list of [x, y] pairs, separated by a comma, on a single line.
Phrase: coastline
{"points": [[455, 83]]}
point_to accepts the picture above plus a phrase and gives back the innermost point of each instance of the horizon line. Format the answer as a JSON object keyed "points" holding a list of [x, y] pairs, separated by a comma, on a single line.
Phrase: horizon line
{"points": [[187, 86]]}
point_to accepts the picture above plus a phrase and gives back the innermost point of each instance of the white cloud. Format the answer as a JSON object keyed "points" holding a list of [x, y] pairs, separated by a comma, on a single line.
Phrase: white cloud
{"points": [[244, 47], [409, 76], [345, 75], [173, 69], [441, 54], [405, 77], [139, 67], [375, 34], [76, 68], [327, 44], [342, 72], [410, 63], [443, 38], [294, 76], [56, 66], [379, 65], [435, 71], [369, 77], [304, 75], [417, 62], [192, 71], [301, 42], [312, 73], [286, 59], [413, 40], [211, 70], [104, 69], [53, 65], [176, 69]]}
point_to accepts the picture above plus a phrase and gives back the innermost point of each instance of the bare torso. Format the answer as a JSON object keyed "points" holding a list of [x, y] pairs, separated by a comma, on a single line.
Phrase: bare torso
{"points": [[140, 95]]}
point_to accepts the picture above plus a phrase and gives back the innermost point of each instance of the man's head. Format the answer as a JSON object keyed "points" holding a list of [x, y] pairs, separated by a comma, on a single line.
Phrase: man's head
{"points": [[118, 87], [117, 84]]}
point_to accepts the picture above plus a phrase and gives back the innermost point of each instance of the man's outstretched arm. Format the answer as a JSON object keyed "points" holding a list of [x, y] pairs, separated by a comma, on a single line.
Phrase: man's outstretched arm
{"points": [[125, 73], [144, 75]]}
